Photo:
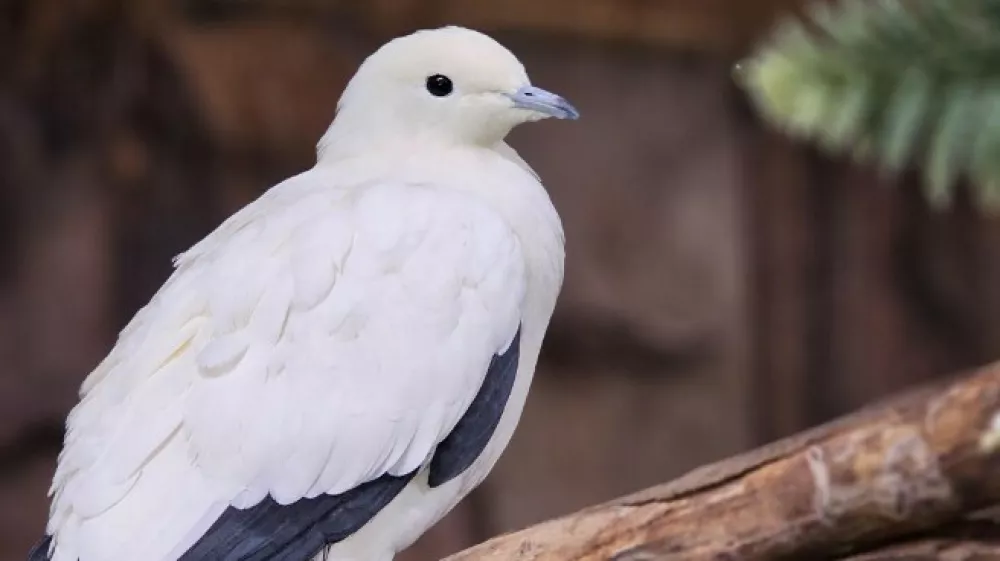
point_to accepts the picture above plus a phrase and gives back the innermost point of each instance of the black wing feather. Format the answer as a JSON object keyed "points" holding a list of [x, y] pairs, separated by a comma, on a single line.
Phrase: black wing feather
{"points": [[41, 550], [268, 531], [467, 440]]}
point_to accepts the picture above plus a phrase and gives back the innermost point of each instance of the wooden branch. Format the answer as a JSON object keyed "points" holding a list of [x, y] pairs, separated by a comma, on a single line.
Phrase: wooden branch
{"points": [[907, 468]]}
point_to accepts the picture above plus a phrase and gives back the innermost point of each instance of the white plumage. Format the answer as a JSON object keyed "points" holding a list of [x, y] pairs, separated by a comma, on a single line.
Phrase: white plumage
{"points": [[335, 329]]}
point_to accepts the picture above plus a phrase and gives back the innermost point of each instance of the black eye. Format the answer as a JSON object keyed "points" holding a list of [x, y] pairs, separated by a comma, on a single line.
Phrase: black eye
{"points": [[439, 85]]}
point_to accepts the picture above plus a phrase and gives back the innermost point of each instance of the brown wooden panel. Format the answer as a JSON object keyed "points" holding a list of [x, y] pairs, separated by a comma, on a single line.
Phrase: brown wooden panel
{"points": [[860, 288], [708, 26], [781, 288], [717, 26]]}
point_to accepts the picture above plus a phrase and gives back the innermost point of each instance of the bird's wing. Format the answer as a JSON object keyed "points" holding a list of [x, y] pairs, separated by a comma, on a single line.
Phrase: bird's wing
{"points": [[316, 342]]}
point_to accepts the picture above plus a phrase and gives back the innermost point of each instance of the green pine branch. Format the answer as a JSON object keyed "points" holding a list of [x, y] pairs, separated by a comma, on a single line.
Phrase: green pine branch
{"points": [[900, 82]]}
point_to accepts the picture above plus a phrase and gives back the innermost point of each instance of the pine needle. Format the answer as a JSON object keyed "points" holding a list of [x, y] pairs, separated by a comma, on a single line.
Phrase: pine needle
{"points": [[900, 82]]}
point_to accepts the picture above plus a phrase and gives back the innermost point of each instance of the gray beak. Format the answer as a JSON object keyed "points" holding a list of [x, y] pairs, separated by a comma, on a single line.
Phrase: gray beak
{"points": [[544, 102]]}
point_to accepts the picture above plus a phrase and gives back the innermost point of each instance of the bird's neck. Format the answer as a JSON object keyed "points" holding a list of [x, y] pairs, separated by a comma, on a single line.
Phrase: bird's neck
{"points": [[354, 133]]}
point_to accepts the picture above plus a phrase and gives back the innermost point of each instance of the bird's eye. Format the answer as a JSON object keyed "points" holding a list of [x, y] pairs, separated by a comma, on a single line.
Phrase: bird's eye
{"points": [[439, 85]]}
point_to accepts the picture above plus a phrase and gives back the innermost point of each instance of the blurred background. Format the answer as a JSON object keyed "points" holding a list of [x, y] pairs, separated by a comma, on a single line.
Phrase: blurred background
{"points": [[725, 286]]}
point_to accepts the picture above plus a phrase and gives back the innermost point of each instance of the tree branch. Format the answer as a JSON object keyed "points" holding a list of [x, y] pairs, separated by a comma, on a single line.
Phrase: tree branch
{"points": [[917, 468]]}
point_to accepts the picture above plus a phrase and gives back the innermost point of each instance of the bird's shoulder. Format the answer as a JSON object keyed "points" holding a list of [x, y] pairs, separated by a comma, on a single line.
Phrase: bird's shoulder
{"points": [[321, 207], [323, 242]]}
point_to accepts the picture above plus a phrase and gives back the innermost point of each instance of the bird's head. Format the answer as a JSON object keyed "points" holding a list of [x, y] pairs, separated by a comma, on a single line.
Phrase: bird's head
{"points": [[450, 85]]}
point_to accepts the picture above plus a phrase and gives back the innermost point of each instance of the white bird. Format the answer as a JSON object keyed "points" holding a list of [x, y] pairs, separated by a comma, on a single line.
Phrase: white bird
{"points": [[337, 365]]}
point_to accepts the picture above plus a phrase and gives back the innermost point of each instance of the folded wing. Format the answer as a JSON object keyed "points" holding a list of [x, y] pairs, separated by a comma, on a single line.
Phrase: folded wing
{"points": [[302, 363]]}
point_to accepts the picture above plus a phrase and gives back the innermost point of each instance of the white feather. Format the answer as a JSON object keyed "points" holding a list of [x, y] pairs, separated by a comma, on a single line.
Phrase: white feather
{"points": [[295, 401], [332, 331]]}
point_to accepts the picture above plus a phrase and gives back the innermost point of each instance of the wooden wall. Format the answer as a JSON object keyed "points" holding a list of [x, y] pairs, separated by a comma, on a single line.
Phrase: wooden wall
{"points": [[724, 287]]}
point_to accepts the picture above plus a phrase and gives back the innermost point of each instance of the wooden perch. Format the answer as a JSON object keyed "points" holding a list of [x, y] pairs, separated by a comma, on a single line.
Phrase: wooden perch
{"points": [[905, 479]]}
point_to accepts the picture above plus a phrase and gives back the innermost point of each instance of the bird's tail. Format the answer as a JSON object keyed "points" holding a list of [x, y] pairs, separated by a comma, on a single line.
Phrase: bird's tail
{"points": [[41, 550]]}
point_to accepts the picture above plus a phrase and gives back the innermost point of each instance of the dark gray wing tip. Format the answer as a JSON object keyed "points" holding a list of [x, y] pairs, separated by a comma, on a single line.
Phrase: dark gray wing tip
{"points": [[41, 550], [269, 531], [475, 428]]}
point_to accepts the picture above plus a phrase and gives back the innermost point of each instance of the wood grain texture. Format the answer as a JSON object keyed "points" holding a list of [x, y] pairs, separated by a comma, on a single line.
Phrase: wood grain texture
{"points": [[715, 26], [725, 27], [921, 461]]}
